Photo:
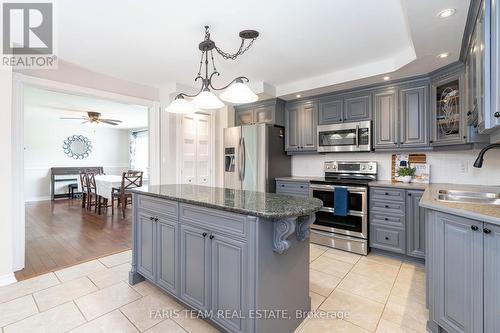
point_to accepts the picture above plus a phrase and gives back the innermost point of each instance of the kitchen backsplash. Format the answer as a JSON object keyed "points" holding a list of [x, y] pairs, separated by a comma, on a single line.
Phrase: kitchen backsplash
{"points": [[446, 167]]}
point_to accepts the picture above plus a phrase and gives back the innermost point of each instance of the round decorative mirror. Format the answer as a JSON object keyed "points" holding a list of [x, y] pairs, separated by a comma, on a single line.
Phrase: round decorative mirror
{"points": [[77, 147]]}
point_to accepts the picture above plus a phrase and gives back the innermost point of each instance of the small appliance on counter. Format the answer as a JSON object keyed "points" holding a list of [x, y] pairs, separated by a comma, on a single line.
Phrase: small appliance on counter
{"points": [[345, 137], [254, 155], [342, 222]]}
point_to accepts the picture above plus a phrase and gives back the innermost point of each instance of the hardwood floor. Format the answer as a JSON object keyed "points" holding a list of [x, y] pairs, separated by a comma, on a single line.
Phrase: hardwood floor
{"points": [[60, 233]]}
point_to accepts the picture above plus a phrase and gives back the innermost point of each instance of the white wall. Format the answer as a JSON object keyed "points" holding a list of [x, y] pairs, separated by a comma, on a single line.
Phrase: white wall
{"points": [[6, 204], [43, 139], [446, 167]]}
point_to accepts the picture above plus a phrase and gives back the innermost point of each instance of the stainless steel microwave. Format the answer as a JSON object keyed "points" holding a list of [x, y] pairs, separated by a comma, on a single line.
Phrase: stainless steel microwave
{"points": [[356, 136]]}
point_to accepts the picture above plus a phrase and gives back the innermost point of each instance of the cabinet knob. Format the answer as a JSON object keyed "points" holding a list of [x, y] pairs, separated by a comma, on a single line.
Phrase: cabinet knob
{"points": [[151, 218], [431, 141], [386, 206], [204, 234], [474, 227], [496, 114], [386, 238], [386, 219], [487, 231], [386, 193], [282, 185], [211, 237], [156, 219], [409, 194]]}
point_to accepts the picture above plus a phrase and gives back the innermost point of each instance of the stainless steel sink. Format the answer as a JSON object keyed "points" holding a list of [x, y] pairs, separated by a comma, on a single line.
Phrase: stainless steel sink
{"points": [[489, 198]]}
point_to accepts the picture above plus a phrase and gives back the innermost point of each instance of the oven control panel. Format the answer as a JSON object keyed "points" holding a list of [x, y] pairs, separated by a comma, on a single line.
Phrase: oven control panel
{"points": [[354, 167]]}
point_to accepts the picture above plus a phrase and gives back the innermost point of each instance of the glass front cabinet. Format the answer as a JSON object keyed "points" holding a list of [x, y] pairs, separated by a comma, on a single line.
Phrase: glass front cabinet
{"points": [[448, 110]]}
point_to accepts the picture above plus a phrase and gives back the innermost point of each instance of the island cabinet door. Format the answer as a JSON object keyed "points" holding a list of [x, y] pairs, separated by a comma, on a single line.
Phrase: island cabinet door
{"points": [[229, 286], [415, 225], [167, 255], [458, 273], [491, 278], [195, 267], [146, 245]]}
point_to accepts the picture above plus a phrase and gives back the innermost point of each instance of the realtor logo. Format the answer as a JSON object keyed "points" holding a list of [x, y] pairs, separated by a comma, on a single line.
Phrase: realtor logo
{"points": [[28, 34]]}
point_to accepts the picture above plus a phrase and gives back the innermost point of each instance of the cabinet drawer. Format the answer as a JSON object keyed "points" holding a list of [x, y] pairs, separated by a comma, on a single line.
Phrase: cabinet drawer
{"points": [[214, 220], [389, 220], [292, 188], [157, 206], [387, 238], [387, 193], [387, 207]]}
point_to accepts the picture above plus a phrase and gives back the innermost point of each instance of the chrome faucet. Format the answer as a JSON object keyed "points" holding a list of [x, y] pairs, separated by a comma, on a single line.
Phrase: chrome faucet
{"points": [[479, 160]]}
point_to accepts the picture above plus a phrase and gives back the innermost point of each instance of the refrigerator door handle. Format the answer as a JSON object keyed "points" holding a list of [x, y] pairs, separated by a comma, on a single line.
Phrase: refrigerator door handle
{"points": [[239, 159], [243, 160]]}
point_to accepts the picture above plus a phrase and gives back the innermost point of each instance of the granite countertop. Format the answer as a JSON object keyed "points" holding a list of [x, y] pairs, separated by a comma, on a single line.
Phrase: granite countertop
{"points": [[300, 179], [481, 212], [388, 183], [266, 205]]}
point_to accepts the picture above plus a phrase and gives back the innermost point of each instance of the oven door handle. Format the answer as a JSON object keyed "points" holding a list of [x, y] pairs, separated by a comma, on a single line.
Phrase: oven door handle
{"points": [[357, 136], [332, 188]]}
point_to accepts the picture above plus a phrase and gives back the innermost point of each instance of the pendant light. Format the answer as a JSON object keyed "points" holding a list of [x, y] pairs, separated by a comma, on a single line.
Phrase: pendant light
{"points": [[237, 92]]}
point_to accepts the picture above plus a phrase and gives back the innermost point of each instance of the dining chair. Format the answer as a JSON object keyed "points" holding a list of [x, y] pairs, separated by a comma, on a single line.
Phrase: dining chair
{"points": [[83, 183], [92, 196], [130, 179]]}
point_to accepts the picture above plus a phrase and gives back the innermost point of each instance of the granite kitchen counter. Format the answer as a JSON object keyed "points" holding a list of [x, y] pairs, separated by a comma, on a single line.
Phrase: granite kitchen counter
{"points": [[388, 183], [482, 212], [260, 204], [300, 179]]}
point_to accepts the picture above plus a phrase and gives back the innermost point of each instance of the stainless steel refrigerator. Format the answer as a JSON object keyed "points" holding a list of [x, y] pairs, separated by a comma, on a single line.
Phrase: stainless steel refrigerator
{"points": [[254, 155]]}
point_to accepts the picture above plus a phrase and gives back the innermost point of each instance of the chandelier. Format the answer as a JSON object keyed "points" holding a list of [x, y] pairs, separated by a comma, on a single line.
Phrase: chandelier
{"points": [[236, 91]]}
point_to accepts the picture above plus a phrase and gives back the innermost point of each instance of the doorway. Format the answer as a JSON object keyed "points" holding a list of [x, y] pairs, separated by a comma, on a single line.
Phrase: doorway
{"points": [[51, 234]]}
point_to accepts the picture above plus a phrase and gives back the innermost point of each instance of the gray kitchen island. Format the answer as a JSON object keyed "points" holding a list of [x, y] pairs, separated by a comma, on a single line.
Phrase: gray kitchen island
{"points": [[239, 257]]}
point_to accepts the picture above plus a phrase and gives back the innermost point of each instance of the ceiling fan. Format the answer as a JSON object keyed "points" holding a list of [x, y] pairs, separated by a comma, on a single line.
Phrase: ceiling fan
{"points": [[94, 118]]}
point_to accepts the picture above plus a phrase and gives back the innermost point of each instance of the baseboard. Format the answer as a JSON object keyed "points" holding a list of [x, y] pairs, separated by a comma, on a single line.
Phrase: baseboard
{"points": [[37, 199], [7, 279]]}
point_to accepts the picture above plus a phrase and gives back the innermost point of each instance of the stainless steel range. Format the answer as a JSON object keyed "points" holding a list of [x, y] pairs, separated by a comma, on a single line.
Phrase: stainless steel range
{"points": [[349, 232]]}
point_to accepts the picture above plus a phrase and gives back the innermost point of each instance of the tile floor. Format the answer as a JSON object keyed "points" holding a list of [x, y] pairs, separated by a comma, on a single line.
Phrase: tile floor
{"points": [[376, 294]]}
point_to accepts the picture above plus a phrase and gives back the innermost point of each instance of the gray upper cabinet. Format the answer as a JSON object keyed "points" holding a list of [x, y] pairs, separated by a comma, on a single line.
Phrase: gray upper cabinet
{"points": [[357, 107], [167, 261], [413, 110], [386, 119], [308, 125], [300, 127], [268, 112], [229, 280], [292, 128], [244, 117], [491, 278], [415, 225], [456, 273], [330, 110], [448, 117], [195, 267], [145, 234], [495, 65]]}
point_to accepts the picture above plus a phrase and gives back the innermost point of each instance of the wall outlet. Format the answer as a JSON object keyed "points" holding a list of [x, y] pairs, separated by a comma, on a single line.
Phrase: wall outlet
{"points": [[464, 167]]}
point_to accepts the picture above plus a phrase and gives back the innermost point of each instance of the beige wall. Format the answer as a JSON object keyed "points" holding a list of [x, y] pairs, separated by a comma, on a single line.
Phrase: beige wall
{"points": [[6, 227]]}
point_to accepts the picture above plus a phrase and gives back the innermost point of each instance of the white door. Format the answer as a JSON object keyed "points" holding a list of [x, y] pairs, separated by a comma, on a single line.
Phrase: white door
{"points": [[196, 149]]}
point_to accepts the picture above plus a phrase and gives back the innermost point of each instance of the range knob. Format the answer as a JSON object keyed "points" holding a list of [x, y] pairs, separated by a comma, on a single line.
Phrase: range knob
{"points": [[370, 167], [327, 166]]}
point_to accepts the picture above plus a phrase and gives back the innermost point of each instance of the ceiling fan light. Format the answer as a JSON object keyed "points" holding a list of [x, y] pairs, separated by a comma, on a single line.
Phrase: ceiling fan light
{"points": [[180, 105], [207, 100], [239, 93]]}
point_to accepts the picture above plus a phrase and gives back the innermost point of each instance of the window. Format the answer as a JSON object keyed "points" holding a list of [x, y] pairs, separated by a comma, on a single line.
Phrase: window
{"points": [[139, 151]]}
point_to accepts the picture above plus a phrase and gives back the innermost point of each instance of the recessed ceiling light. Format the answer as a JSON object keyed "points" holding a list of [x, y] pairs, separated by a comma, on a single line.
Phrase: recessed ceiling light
{"points": [[298, 95], [387, 78], [444, 55], [446, 12]]}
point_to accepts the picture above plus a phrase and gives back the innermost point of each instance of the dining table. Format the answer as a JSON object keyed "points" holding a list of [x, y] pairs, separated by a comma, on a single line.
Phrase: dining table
{"points": [[105, 183]]}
